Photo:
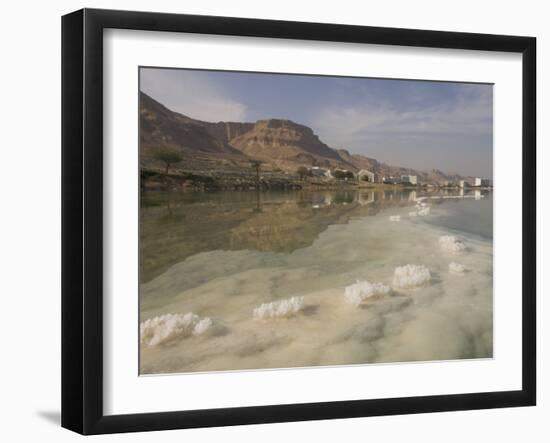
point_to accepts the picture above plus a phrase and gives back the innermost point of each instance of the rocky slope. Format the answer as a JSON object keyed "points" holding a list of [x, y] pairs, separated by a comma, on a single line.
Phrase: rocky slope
{"points": [[285, 142], [279, 144], [198, 142]]}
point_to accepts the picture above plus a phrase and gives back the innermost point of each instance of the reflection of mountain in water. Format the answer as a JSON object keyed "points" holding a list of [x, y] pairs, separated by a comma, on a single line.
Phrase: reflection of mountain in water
{"points": [[176, 226], [287, 226]]}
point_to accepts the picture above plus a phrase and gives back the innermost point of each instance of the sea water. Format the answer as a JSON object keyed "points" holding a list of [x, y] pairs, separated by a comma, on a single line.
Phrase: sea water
{"points": [[222, 256]]}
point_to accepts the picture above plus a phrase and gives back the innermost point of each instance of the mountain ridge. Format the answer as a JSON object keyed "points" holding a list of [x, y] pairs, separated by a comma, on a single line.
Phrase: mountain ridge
{"points": [[278, 143]]}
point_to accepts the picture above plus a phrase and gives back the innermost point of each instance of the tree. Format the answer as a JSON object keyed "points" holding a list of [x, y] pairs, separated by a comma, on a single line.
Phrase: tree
{"points": [[339, 174], [256, 165], [303, 172], [169, 156], [342, 174]]}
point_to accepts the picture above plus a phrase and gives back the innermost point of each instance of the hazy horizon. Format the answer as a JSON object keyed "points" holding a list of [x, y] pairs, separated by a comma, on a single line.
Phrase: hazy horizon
{"points": [[410, 123]]}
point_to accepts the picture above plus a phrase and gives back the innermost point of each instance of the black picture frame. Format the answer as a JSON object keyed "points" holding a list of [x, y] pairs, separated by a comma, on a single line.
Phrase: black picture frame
{"points": [[82, 220]]}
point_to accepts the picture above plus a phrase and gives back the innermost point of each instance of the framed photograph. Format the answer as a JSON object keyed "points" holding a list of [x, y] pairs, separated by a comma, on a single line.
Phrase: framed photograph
{"points": [[269, 221]]}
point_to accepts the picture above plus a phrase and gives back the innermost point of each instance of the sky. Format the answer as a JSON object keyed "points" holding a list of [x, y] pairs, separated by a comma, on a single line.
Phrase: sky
{"points": [[417, 124]]}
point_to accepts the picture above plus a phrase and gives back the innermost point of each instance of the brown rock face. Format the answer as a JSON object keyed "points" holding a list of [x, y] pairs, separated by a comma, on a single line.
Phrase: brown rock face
{"points": [[284, 140], [359, 161], [281, 143], [227, 131]]}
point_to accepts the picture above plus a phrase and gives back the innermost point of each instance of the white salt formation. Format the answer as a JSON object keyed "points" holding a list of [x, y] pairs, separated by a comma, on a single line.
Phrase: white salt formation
{"points": [[449, 243], [410, 276], [412, 214], [422, 207], [158, 330], [456, 268], [279, 309], [424, 211], [395, 218], [355, 294], [202, 326]]}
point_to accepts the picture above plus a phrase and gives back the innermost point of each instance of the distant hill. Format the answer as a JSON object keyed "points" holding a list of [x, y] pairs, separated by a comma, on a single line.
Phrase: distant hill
{"points": [[279, 144]]}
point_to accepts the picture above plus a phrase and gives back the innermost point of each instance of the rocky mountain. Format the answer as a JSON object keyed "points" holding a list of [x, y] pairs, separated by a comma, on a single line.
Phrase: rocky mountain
{"points": [[359, 161], [199, 142], [279, 144], [285, 143]]}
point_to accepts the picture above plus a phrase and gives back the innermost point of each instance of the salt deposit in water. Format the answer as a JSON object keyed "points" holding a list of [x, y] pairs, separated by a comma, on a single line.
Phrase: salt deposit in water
{"points": [[456, 268], [449, 243], [355, 294], [424, 211], [410, 276], [159, 330], [279, 309], [395, 218]]}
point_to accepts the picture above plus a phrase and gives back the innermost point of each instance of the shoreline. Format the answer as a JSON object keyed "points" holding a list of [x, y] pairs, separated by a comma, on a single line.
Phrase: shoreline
{"points": [[154, 181]]}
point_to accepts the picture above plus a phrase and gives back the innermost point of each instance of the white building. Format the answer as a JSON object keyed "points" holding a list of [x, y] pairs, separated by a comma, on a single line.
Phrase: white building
{"points": [[365, 175], [344, 171], [482, 182], [316, 171], [409, 179], [391, 180]]}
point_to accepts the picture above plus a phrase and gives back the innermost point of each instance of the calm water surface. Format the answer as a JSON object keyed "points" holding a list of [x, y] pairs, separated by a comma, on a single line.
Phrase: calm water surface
{"points": [[220, 255]]}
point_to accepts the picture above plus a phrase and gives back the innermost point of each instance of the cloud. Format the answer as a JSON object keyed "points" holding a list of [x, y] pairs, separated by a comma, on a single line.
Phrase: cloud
{"points": [[468, 112], [191, 93], [447, 127]]}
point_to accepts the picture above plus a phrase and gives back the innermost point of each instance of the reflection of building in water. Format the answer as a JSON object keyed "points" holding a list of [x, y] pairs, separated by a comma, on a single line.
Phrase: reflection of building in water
{"points": [[343, 198], [318, 200], [328, 199], [366, 176], [365, 198], [412, 196], [409, 179], [461, 191], [175, 226]]}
